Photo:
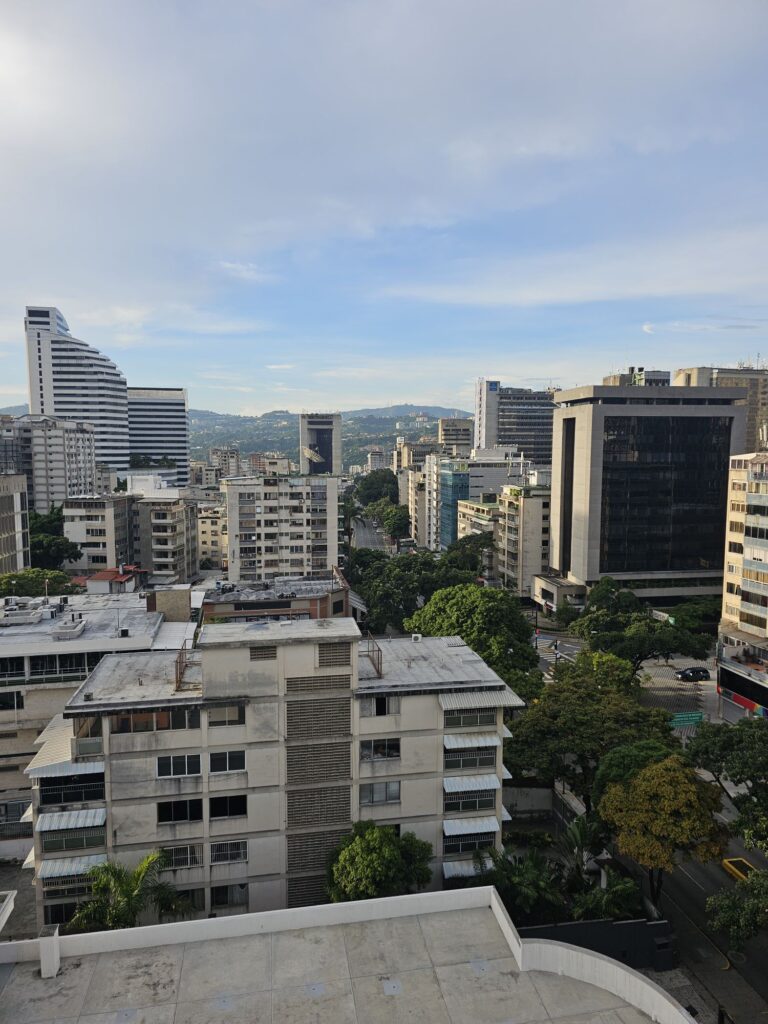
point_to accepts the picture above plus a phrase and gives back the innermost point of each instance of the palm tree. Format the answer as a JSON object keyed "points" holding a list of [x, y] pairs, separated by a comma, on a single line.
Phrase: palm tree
{"points": [[620, 899], [576, 847], [120, 895], [529, 885]]}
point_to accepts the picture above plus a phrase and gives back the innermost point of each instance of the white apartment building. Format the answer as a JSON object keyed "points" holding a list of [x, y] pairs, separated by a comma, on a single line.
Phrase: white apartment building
{"points": [[320, 443], [102, 527], [57, 456], [14, 523], [281, 525], [158, 431], [376, 459], [249, 758], [212, 536], [201, 474], [71, 379], [522, 536]]}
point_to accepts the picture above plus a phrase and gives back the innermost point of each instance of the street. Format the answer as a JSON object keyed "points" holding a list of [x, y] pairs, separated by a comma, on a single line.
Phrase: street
{"points": [[365, 535], [567, 647]]}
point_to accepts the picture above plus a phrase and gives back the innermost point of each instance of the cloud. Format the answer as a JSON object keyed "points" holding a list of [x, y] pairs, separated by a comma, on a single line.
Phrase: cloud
{"points": [[280, 366], [248, 272], [706, 326]]}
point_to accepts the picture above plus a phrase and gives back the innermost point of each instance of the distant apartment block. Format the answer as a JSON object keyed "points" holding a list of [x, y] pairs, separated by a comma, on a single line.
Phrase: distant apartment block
{"points": [[320, 443], [249, 758], [452, 432], [202, 474], [639, 376], [522, 536], [102, 527], [269, 464], [514, 417], [158, 430], [376, 459], [212, 536], [71, 379], [57, 456], [753, 380], [281, 526], [14, 523], [285, 598], [165, 536], [226, 459]]}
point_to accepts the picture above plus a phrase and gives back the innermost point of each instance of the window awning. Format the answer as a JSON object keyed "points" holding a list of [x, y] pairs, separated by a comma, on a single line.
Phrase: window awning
{"points": [[469, 740], [54, 758], [462, 868], [27, 815], [69, 867], [29, 860], [505, 815], [480, 699], [90, 818], [470, 826], [505, 773], [506, 734], [470, 783]]}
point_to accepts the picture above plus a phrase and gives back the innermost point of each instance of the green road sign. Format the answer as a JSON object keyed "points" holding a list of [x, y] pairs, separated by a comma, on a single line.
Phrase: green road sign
{"points": [[687, 718]]}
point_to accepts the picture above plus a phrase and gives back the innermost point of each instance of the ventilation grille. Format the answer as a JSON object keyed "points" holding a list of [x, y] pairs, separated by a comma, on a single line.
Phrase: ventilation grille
{"points": [[311, 852], [305, 892], [308, 684], [334, 654], [307, 719], [263, 653], [318, 762], [318, 806]]}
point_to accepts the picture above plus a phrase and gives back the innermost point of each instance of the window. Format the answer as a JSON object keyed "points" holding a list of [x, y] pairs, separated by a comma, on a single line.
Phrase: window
{"points": [[12, 700], [170, 811], [235, 806], [229, 896], [228, 761], [374, 707], [468, 843], [379, 750], [380, 793], [183, 857], [232, 714], [178, 764], [475, 757], [229, 853], [477, 716], [480, 800], [194, 897], [263, 653], [334, 654], [149, 721]]}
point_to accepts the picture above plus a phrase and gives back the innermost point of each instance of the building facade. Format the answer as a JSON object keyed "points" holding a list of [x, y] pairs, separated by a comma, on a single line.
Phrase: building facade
{"points": [[14, 523], [522, 537], [226, 459], [73, 380], [639, 486], [320, 443], [248, 760], [158, 431], [102, 527], [57, 456], [286, 598], [281, 525], [754, 380], [514, 418], [212, 536], [165, 536], [455, 432]]}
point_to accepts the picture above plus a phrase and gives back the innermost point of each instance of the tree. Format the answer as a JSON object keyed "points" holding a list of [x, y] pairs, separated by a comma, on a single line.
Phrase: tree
{"points": [[609, 595], [49, 552], [50, 522], [206, 563], [621, 764], [579, 844], [470, 552], [31, 583], [530, 885], [378, 509], [397, 521], [361, 560], [374, 861], [742, 911], [620, 899], [120, 895], [605, 671], [569, 730], [379, 483], [635, 637], [662, 811], [738, 753]]}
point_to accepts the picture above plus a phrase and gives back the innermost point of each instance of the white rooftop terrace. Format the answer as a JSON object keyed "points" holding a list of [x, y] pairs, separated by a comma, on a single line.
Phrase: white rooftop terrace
{"points": [[433, 958], [136, 678], [235, 634]]}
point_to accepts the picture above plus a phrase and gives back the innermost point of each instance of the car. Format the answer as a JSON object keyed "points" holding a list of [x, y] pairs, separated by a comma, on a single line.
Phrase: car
{"points": [[694, 674], [738, 868]]}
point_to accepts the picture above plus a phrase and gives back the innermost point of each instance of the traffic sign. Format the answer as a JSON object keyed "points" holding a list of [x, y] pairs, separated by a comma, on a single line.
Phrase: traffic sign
{"points": [[687, 718]]}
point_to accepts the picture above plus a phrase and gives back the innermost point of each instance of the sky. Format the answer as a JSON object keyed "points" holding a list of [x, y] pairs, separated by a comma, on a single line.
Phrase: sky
{"points": [[294, 204]]}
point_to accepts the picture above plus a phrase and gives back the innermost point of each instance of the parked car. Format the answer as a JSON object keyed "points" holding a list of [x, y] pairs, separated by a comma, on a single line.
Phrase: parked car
{"points": [[694, 674], [738, 868]]}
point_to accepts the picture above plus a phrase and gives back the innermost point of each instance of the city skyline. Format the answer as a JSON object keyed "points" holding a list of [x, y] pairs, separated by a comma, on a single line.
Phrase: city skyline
{"points": [[319, 231]]}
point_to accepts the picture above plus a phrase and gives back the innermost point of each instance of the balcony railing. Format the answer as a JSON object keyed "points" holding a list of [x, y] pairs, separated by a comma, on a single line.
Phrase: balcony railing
{"points": [[746, 662], [78, 794], [87, 746]]}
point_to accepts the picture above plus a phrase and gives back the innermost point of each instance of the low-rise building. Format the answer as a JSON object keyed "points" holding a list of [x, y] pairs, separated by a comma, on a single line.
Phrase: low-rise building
{"points": [[102, 527], [324, 596], [249, 758], [14, 523]]}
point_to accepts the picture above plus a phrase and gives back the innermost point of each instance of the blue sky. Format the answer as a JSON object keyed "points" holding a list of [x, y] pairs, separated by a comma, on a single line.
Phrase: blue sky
{"points": [[334, 204]]}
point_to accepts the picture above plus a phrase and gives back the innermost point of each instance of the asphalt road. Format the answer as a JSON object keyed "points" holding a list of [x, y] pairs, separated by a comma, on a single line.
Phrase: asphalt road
{"points": [[567, 647], [365, 535]]}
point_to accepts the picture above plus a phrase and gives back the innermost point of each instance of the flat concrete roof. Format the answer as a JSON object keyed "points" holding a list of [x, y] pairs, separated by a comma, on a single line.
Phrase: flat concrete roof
{"points": [[656, 395], [437, 967], [432, 663], [136, 678], [281, 587], [235, 634]]}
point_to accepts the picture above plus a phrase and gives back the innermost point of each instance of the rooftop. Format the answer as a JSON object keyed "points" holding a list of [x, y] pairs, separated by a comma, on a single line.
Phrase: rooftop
{"points": [[434, 958], [633, 395], [235, 634], [280, 588], [136, 678]]}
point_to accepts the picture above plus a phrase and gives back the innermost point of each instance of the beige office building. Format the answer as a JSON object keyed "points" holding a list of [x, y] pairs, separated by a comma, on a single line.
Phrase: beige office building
{"points": [[755, 383], [14, 523], [212, 536], [102, 527], [522, 536], [249, 759]]}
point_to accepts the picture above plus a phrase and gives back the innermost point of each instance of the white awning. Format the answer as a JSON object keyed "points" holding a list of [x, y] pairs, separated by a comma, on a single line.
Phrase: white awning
{"points": [[470, 783], [469, 740], [505, 815], [29, 860], [27, 815], [54, 758], [91, 818], [505, 773], [470, 826], [507, 735], [480, 699], [68, 867], [462, 868]]}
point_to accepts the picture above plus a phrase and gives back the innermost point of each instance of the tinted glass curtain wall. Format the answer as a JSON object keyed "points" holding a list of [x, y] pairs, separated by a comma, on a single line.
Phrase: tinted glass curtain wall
{"points": [[454, 487], [665, 485]]}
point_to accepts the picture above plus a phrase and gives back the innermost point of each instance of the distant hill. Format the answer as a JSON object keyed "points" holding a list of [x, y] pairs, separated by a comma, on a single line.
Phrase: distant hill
{"points": [[406, 411], [15, 410]]}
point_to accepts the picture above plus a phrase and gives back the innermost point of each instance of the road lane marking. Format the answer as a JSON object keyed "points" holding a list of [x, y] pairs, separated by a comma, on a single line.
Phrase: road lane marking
{"points": [[691, 878]]}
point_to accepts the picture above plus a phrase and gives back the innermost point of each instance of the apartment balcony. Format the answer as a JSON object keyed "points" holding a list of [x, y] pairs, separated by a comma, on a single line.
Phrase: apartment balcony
{"points": [[71, 793], [751, 662], [85, 747]]}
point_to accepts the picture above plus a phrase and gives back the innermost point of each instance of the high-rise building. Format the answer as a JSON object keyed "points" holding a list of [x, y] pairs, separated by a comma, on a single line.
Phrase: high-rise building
{"points": [[752, 379], [320, 443], [639, 486], [514, 418], [158, 431], [522, 535], [249, 758], [57, 456], [71, 379], [14, 523], [742, 659], [102, 527], [281, 526]]}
